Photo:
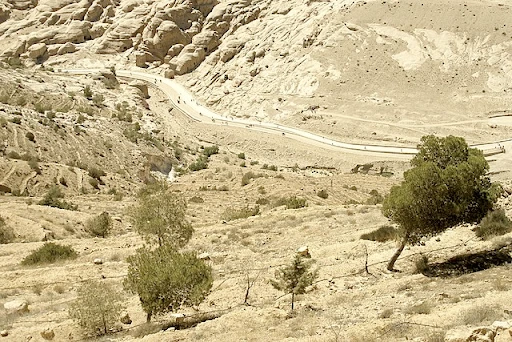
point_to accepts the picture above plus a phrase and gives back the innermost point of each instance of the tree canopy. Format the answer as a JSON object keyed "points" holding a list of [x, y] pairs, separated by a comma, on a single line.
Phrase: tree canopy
{"points": [[166, 280], [447, 185], [159, 216]]}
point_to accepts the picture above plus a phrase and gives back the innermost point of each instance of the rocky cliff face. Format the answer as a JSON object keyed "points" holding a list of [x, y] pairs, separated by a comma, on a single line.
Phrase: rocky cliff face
{"points": [[278, 58]]}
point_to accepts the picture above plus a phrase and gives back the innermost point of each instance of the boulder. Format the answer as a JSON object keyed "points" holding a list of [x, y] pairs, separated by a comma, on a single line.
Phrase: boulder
{"points": [[140, 59], [17, 306], [48, 334], [66, 48], [481, 334], [37, 50], [98, 261], [4, 333], [169, 73], [125, 318], [304, 252], [189, 59], [143, 87], [5, 13], [204, 256], [94, 12], [501, 325]]}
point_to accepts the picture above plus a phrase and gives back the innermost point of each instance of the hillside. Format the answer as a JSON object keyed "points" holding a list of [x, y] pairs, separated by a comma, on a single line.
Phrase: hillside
{"points": [[368, 72]]}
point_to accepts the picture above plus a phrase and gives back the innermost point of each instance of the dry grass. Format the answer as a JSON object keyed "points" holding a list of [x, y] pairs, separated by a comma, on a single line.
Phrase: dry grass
{"points": [[479, 314]]}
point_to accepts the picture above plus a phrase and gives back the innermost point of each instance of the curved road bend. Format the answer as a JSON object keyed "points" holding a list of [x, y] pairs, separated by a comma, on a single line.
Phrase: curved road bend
{"points": [[185, 101]]}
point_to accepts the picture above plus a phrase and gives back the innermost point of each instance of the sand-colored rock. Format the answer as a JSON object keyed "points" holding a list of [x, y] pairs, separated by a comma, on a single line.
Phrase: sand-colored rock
{"points": [[37, 50], [48, 334], [141, 86], [17, 306]]}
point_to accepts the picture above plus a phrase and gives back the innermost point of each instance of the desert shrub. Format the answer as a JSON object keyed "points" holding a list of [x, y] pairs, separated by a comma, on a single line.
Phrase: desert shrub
{"points": [[246, 178], [322, 194], [96, 173], [241, 155], [386, 313], [16, 120], [94, 183], [6, 232], [480, 313], [100, 225], [97, 308], [419, 309], [292, 202], [30, 136], [242, 164], [49, 253], [382, 234], [210, 150], [196, 199], [80, 119], [421, 264], [495, 223], [34, 165], [254, 162], [200, 164], [13, 155], [375, 198], [53, 199], [63, 181], [165, 280], [269, 167], [262, 201], [3, 122], [261, 190], [98, 99], [233, 213], [88, 92]]}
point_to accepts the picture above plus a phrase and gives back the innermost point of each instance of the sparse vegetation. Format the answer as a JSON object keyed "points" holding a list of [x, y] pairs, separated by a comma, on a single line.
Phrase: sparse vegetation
{"points": [[100, 225], [88, 92], [495, 223], [97, 307], [210, 150], [231, 214], [6, 232], [295, 278], [196, 199], [480, 313], [200, 164], [382, 234], [159, 216], [30, 136], [165, 280], [246, 178], [53, 199], [49, 253], [292, 202], [323, 194], [241, 155]]}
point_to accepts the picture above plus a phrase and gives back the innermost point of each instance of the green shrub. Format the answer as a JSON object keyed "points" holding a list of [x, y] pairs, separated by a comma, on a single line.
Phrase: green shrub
{"points": [[80, 119], [98, 99], [196, 199], [53, 199], [382, 234], [49, 253], [97, 308], [100, 225], [292, 202], [262, 201], [94, 183], [495, 223], [6, 232], [211, 150], [30, 136], [96, 173], [200, 164], [34, 165], [421, 264], [235, 214], [246, 178], [88, 92], [241, 155], [323, 194]]}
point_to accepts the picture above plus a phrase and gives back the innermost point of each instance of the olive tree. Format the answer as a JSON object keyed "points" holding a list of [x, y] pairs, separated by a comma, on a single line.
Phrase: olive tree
{"points": [[160, 216], [166, 279], [447, 185], [295, 278], [97, 307]]}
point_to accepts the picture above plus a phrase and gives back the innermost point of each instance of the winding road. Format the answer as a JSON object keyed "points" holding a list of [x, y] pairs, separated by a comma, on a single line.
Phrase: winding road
{"points": [[188, 105]]}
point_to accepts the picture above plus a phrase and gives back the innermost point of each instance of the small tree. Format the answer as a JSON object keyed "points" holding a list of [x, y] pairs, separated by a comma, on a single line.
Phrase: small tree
{"points": [[160, 215], [447, 185], [97, 307], [100, 225], [88, 92], [166, 280], [6, 232], [295, 278]]}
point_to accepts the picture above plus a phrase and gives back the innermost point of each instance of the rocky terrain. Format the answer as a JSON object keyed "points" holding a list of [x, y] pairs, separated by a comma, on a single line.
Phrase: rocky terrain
{"points": [[378, 72]]}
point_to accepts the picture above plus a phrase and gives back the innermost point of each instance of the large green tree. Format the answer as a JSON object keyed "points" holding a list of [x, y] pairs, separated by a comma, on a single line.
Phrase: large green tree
{"points": [[447, 185], [159, 216], [166, 279]]}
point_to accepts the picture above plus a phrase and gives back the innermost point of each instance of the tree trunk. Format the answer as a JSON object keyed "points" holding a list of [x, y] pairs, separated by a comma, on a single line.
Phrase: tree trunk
{"points": [[293, 299], [391, 264], [148, 317]]}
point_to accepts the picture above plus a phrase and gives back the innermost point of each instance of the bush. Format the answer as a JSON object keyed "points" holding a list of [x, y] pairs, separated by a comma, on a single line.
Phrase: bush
{"points": [[165, 280], [98, 99], [13, 155], [480, 313], [246, 178], [421, 264], [96, 173], [419, 309], [52, 199], [88, 92], [16, 120], [262, 201], [323, 194], [49, 253], [234, 214], [241, 155], [292, 202], [495, 223], [196, 199], [200, 164], [94, 183], [34, 165], [211, 150], [6, 232], [375, 198], [30, 136], [382, 234], [100, 225], [97, 307]]}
